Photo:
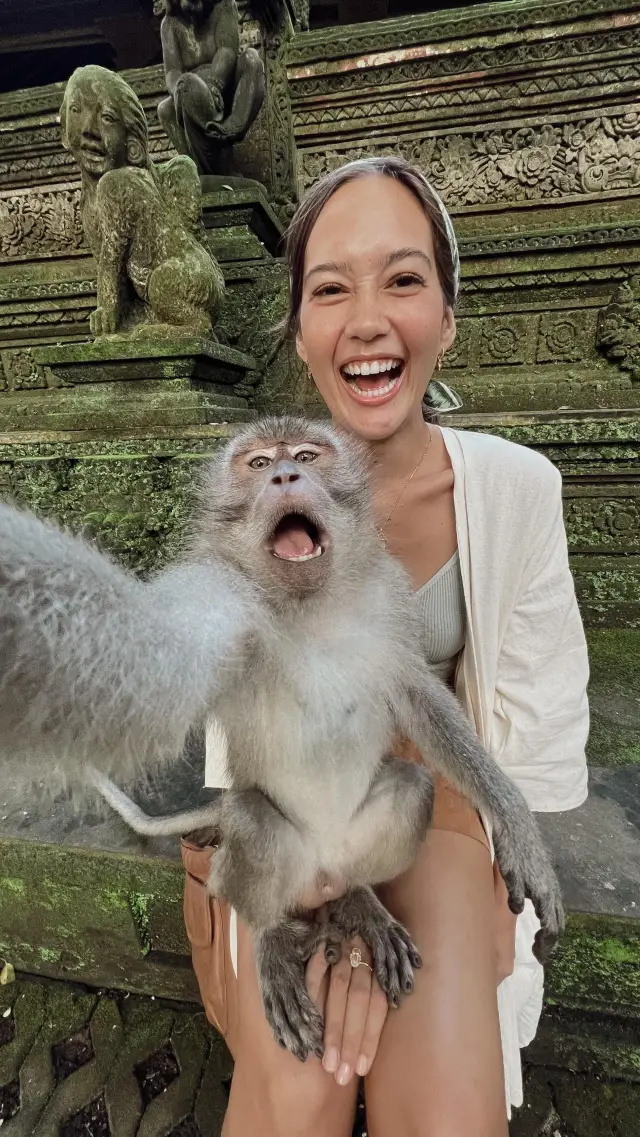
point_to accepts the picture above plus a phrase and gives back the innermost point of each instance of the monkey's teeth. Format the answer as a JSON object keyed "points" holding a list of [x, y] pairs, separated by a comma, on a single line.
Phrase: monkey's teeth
{"points": [[305, 556]]}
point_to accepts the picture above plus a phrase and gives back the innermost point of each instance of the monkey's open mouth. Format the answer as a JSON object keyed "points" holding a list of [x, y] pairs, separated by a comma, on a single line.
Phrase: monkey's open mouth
{"points": [[296, 538]]}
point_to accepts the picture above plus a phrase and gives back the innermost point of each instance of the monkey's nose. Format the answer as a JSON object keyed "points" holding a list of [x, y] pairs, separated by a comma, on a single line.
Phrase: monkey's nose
{"points": [[285, 474]]}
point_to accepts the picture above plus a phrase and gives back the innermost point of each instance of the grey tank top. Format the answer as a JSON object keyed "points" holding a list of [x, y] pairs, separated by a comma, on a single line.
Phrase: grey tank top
{"points": [[443, 616]]}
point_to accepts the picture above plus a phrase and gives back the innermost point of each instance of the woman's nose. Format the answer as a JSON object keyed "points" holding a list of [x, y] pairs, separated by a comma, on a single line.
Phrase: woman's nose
{"points": [[367, 316]]}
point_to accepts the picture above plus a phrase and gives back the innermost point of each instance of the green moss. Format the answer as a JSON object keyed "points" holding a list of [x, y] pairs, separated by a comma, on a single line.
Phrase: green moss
{"points": [[139, 904], [597, 965], [11, 884], [50, 955], [103, 921]]}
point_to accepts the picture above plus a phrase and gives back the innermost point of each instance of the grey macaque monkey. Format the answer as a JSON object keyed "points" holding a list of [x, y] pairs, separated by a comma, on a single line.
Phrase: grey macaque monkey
{"points": [[288, 622]]}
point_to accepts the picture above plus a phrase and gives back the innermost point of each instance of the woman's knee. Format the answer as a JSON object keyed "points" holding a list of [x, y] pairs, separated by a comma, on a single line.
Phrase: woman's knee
{"points": [[451, 1119], [281, 1100]]}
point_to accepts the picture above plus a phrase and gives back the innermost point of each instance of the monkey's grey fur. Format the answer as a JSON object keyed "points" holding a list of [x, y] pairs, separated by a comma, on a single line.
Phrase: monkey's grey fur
{"points": [[310, 666]]}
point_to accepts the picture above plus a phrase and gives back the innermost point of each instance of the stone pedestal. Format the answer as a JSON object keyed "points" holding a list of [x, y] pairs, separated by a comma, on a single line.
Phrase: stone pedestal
{"points": [[116, 385], [241, 224]]}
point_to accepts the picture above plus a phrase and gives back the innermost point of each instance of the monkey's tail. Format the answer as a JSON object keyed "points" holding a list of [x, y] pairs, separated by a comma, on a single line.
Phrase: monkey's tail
{"points": [[146, 826]]}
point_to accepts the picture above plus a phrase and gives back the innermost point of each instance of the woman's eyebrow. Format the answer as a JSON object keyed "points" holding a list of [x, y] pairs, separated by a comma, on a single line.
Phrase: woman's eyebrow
{"points": [[389, 259], [329, 266], [401, 254]]}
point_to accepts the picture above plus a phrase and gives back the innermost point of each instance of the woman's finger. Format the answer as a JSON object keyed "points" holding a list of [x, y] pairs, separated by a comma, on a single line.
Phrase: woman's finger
{"points": [[355, 1019], [335, 1011], [376, 1018]]}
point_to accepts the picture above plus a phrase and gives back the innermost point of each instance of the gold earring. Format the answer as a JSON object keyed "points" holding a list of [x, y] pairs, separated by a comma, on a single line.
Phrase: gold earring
{"points": [[439, 360]]}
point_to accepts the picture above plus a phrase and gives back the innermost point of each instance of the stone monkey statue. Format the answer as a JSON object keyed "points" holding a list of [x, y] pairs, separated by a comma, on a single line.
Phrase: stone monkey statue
{"points": [[216, 87], [143, 223], [291, 625]]}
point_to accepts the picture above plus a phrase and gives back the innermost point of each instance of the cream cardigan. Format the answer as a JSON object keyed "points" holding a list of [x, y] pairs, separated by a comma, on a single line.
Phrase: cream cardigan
{"points": [[523, 673], [524, 670]]}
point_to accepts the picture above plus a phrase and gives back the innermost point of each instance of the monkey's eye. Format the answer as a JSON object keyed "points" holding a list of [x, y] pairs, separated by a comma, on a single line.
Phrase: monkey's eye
{"points": [[259, 462], [306, 456]]}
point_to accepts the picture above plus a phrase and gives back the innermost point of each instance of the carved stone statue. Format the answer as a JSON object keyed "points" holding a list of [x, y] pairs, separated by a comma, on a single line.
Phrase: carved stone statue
{"points": [[143, 223], [216, 87]]}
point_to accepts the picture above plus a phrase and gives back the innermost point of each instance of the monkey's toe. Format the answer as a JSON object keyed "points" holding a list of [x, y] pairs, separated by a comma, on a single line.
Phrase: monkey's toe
{"points": [[296, 1023]]}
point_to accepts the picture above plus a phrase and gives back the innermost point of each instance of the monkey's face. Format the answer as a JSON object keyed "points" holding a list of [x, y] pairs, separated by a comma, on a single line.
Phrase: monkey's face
{"points": [[282, 504]]}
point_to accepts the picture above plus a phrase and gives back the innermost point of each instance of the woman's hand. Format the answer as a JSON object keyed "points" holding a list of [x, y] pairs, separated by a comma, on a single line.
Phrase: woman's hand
{"points": [[354, 1009]]}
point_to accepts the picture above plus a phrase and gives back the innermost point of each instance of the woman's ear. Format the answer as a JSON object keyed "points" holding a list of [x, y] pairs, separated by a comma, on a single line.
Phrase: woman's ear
{"points": [[448, 330], [301, 349]]}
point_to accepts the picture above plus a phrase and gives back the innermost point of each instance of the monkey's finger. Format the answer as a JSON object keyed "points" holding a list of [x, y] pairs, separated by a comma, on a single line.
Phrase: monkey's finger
{"points": [[515, 888], [413, 954], [317, 979], [295, 1022], [405, 970]]}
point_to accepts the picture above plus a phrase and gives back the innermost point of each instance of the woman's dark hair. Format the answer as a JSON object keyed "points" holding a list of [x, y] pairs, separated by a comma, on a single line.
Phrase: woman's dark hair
{"points": [[312, 205]]}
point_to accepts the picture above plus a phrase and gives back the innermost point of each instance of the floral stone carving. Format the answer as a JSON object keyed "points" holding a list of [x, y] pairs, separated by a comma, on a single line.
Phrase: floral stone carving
{"points": [[142, 222]]}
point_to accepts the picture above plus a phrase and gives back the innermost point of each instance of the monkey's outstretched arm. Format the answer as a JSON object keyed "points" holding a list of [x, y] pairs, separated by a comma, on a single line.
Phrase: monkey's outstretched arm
{"points": [[99, 668], [437, 725]]}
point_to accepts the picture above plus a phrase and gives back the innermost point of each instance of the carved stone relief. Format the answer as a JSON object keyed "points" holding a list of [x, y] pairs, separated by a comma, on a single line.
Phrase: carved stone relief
{"points": [[564, 337], [580, 156], [618, 335], [21, 372], [504, 340], [40, 223], [338, 43]]}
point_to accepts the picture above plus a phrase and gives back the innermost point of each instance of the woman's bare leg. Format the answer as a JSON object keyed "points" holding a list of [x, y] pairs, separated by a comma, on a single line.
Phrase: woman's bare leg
{"points": [[272, 1093], [439, 1070]]}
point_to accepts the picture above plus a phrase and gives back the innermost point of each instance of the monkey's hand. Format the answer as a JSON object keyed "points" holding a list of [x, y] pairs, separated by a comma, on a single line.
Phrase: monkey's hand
{"points": [[281, 957], [359, 912], [528, 874]]}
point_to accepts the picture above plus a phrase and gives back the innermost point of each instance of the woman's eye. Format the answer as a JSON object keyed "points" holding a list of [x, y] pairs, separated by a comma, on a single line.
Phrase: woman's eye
{"points": [[329, 290], [259, 463], [407, 280], [306, 456]]}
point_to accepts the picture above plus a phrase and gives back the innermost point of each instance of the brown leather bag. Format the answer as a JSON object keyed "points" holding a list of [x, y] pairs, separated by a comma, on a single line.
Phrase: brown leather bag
{"points": [[207, 923]]}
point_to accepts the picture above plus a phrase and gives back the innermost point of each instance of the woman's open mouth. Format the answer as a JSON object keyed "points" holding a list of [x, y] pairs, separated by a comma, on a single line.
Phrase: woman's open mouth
{"points": [[296, 538], [373, 380]]}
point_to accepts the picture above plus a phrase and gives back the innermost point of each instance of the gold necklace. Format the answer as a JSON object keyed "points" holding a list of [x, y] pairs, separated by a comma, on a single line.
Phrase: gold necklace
{"points": [[381, 528]]}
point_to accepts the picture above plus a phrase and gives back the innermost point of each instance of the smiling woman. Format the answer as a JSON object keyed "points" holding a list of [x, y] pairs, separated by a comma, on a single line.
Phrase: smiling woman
{"points": [[478, 524]]}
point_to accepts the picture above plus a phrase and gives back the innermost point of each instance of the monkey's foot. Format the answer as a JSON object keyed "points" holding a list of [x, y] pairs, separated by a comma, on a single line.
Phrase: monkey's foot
{"points": [[281, 955], [360, 913]]}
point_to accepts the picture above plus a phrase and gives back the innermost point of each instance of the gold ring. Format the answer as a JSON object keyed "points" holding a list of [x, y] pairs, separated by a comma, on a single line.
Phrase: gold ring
{"points": [[356, 960]]}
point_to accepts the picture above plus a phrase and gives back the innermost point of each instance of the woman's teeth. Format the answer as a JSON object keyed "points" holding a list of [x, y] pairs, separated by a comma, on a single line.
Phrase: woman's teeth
{"points": [[367, 377], [370, 367]]}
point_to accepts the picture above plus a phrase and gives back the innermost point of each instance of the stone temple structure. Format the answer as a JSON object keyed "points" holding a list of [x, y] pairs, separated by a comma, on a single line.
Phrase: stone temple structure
{"points": [[526, 116]]}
